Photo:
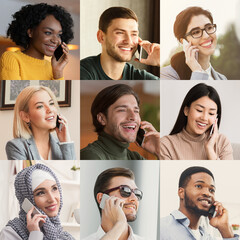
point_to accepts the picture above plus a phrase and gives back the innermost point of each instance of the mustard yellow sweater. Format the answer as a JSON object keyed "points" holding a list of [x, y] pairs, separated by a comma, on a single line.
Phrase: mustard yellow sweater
{"points": [[19, 66]]}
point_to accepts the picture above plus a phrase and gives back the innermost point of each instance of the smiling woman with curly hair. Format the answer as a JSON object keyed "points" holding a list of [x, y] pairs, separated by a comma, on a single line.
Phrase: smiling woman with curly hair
{"points": [[39, 29]]}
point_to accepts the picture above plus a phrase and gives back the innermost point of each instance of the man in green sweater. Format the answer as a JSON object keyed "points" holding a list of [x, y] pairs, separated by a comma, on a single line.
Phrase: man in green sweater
{"points": [[115, 115], [118, 35]]}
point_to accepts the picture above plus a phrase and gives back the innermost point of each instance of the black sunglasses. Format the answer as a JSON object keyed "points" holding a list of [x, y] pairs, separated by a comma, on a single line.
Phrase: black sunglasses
{"points": [[126, 191]]}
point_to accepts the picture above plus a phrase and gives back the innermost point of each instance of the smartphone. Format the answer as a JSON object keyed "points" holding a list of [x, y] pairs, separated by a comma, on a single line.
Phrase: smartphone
{"points": [[58, 124], [27, 205], [58, 52], [139, 49], [212, 211], [184, 44], [104, 198], [140, 136], [212, 129]]}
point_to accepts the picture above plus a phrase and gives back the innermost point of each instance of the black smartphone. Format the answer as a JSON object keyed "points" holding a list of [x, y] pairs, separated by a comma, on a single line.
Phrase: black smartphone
{"points": [[139, 49], [212, 211], [140, 136], [57, 122], [58, 52]]}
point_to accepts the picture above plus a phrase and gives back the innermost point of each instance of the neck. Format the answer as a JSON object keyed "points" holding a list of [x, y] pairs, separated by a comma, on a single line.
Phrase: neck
{"points": [[108, 225], [204, 61], [32, 52], [111, 67], [193, 217]]}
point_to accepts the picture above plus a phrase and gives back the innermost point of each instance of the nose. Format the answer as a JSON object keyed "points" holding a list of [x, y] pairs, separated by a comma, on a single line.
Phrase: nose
{"points": [[205, 34], [48, 109], [50, 197], [133, 197], [128, 39], [55, 39], [204, 116], [131, 115]]}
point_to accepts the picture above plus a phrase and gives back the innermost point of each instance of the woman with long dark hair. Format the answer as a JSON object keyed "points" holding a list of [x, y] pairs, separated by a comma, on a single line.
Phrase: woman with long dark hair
{"points": [[195, 134], [39, 29], [195, 29]]}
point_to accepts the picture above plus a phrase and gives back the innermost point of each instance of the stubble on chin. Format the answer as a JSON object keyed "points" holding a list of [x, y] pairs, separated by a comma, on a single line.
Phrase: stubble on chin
{"points": [[131, 217]]}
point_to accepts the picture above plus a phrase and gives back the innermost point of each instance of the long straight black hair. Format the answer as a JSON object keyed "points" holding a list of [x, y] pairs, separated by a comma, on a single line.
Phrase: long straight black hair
{"points": [[178, 61], [196, 92]]}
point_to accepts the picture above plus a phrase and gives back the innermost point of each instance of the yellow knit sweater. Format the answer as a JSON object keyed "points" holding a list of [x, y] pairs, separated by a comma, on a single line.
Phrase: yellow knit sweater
{"points": [[19, 66]]}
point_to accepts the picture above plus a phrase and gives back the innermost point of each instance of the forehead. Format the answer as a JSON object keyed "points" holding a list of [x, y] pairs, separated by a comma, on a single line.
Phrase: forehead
{"points": [[201, 177], [120, 180], [124, 24], [128, 100], [198, 21], [205, 102], [51, 22], [40, 95]]}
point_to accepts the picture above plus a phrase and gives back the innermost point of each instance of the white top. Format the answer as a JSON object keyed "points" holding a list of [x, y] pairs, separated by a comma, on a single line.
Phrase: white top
{"points": [[8, 233], [196, 233], [100, 233]]}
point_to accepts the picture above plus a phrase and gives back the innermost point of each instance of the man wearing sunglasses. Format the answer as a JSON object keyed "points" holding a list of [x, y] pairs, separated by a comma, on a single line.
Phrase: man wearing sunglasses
{"points": [[197, 198], [119, 207], [116, 118]]}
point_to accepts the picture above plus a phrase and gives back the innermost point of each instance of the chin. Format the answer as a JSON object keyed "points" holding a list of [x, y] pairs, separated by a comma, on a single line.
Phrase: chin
{"points": [[131, 217]]}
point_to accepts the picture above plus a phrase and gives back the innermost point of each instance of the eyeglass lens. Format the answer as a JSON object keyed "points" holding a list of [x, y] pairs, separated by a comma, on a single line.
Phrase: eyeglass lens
{"points": [[210, 29]]}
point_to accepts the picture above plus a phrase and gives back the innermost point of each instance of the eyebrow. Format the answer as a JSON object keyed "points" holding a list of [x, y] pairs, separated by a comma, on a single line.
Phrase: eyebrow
{"points": [[43, 102], [200, 181], [199, 27], [43, 188], [124, 106], [204, 107], [120, 29], [51, 29]]}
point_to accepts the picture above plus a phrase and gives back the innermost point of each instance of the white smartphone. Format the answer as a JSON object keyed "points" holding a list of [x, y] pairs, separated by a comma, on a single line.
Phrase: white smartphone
{"points": [[184, 44], [27, 205], [104, 198], [212, 128]]}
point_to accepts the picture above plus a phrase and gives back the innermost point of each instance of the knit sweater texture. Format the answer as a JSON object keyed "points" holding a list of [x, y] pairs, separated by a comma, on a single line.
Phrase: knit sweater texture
{"points": [[183, 146], [19, 66], [108, 148]]}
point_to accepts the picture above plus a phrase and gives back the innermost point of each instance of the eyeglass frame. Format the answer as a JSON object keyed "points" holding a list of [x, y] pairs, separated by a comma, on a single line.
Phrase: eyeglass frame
{"points": [[202, 29], [119, 187]]}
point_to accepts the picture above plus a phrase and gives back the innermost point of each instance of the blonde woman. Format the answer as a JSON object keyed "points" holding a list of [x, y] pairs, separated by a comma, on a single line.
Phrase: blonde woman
{"points": [[35, 116]]}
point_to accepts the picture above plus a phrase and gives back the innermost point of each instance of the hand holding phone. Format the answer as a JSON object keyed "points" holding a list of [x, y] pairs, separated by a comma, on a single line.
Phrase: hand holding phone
{"points": [[27, 205], [58, 124], [185, 44], [212, 128], [212, 211], [104, 198]]}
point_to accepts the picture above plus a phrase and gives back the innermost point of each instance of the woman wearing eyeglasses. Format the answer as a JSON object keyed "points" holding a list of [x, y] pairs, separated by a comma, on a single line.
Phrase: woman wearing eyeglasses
{"points": [[195, 29]]}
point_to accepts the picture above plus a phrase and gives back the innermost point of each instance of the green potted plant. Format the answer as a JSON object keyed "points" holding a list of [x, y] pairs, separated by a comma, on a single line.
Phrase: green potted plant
{"points": [[76, 172]]}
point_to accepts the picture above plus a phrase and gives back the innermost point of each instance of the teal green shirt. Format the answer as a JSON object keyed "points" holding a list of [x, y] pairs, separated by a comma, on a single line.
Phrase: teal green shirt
{"points": [[108, 148], [91, 69]]}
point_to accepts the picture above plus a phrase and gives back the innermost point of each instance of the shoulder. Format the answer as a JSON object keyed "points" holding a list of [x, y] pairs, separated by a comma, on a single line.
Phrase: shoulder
{"points": [[219, 75], [9, 57], [223, 140], [16, 142], [132, 73], [7, 233], [89, 60], [93, 151], [168, 73], [90, 68]]}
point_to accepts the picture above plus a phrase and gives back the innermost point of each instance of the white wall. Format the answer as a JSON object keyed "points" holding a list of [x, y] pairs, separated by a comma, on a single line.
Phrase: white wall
{"points": [[147, 179], [71, 113], [173, 92]]}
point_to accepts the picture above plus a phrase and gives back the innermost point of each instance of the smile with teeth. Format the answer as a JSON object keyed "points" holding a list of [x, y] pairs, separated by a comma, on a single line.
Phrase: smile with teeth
{"points": [[52, 207], [50, 118], [129, 127], [206, 44], [125, 49], [52, 48], [201, 125]]}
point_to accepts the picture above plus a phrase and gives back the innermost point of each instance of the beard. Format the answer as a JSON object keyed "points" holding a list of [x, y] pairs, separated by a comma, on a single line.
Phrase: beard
{"points": [[190, 205], [131, 217], [111, 51]]}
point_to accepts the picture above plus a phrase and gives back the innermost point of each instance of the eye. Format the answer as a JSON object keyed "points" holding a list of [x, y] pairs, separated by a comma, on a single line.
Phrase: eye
{"points": [[55, 188], [136, 111], [40, 193], [199, 110], [198, 186], [39, 106], [196, 32], [122, 110], [209, 27], [212, 190], [51, 103], [212, 114], [48, 33]]}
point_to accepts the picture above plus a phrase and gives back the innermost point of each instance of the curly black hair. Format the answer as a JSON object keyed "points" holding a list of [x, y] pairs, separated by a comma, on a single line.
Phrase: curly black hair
{"points": [[30, 16]]}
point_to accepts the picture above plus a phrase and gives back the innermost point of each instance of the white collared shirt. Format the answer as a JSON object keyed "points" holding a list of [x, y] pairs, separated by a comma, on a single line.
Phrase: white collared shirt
{"points": [[100, 233]]}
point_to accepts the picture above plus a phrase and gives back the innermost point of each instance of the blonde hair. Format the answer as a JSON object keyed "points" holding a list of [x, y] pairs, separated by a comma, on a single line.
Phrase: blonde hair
{"points": [[20, 127]]}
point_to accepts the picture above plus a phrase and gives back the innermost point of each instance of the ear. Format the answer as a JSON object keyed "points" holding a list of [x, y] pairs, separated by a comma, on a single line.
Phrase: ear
{"points": [[101, 119], [100, 36], [181, 193], [24, 116], [99, 197], [29, 32], [186, 111]]}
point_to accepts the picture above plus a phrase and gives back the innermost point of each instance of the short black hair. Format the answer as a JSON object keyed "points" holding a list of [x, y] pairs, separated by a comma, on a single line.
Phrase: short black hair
{"points": [[186, 175], [106, 98], [104, 179], [31, 15]]}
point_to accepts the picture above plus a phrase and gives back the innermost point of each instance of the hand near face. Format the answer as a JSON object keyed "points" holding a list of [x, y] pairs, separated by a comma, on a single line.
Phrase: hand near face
{"points": [[63, 134], [58, 66], [221, 221], [153, 51], [152, 139], [211, 142], [33, 222], [190, 55], [113, 210]]}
